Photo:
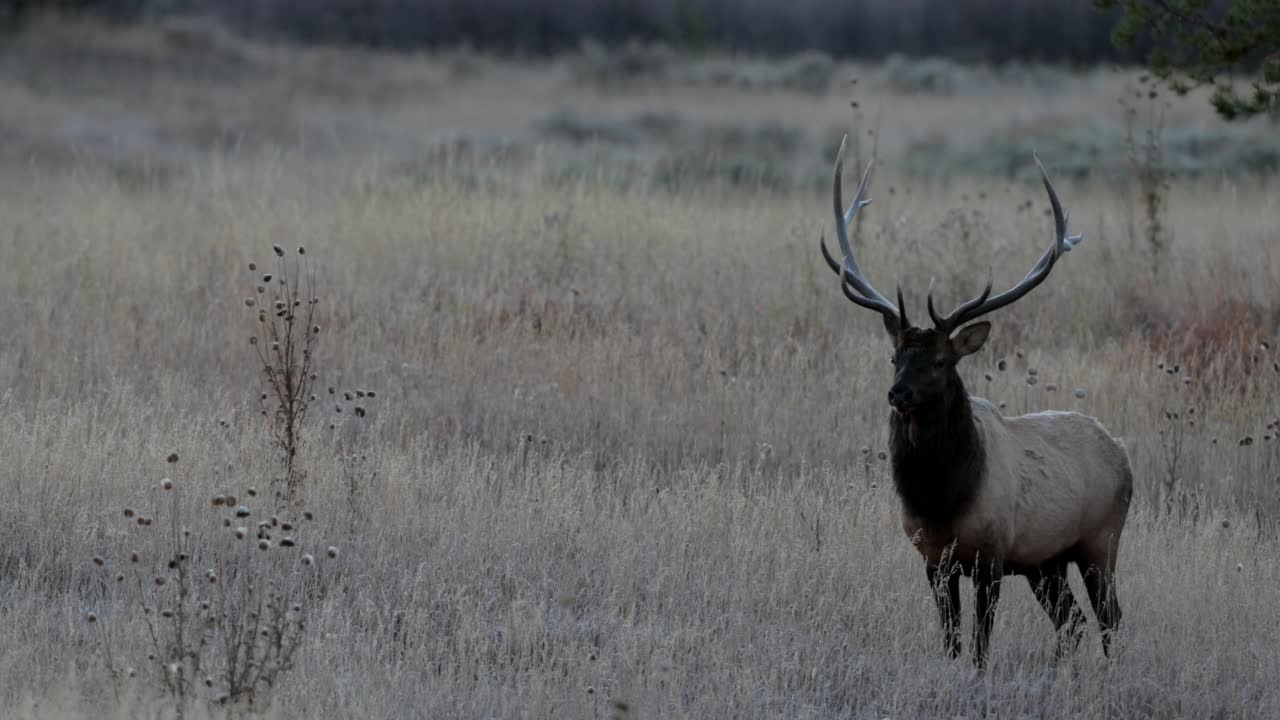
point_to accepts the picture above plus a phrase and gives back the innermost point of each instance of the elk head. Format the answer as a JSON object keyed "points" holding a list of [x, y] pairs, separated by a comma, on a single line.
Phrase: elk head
{"points": [[925, 358]]}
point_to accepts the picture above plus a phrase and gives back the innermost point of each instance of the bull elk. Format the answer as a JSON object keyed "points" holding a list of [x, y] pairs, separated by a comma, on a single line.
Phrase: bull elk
{"points": [[986, 495]]}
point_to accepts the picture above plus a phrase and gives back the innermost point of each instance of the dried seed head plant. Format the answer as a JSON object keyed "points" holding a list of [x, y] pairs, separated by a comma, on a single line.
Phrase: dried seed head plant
{"points": [[284, 340], [348, 426], [221, 610]]}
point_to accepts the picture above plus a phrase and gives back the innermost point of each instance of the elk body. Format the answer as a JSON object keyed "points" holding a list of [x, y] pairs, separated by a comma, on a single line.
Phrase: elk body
{"points": [[986, 495]]}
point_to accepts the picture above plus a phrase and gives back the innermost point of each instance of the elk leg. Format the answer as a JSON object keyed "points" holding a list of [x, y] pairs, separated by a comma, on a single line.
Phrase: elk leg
{"points": [[1051, 587], [1100, 581], [987, 573], [944, 583]]}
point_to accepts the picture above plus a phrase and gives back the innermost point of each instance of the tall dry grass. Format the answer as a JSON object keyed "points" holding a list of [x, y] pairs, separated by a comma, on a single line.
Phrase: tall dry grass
{"points": [[615, 466]]}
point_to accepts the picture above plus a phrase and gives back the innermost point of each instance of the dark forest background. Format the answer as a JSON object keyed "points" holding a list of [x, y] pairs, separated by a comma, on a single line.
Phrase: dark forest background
{"points": [[968, 30]]}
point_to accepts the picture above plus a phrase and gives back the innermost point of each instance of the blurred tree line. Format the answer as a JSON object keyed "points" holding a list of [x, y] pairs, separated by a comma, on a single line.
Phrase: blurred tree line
{"points": [[1186, 42], [969, 30]]}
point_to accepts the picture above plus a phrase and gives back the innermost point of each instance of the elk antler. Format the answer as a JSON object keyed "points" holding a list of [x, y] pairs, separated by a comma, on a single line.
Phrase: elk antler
{"points": [[983, 304], [852, 281]]}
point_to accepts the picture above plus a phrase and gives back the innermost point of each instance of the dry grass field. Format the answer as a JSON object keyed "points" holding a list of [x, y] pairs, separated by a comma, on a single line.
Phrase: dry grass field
{"points": [[624, 454]]}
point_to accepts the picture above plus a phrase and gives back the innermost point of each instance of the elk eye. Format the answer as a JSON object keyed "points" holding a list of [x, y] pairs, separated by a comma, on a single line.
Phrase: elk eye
{"points": [[939, 364]]}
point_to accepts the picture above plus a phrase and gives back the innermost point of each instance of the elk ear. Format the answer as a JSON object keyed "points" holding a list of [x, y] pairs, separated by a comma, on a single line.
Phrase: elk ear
{"points": [[970, 338]]}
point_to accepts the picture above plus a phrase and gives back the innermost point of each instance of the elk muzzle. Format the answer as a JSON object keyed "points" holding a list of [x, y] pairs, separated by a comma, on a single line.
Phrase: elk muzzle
{"points": [[902, 399]]}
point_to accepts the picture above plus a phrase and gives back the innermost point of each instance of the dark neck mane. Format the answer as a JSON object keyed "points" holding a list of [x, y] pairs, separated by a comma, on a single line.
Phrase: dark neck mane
{"points": [[938, 458]]}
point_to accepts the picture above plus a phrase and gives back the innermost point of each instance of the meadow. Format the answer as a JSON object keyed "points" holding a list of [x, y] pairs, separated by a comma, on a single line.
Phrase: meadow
{"points": [[624, 457]]}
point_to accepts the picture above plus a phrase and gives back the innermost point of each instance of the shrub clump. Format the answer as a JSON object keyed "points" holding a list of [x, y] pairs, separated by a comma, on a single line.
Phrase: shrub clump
{"points": [[221, 598], [1083, 152]]}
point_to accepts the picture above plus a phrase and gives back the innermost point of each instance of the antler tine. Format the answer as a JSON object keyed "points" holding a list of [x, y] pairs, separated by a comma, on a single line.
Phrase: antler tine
{"points": [[850, 273], [938, 322], [1062, 243], [950, 322], [845, 284], [858, 203]]}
